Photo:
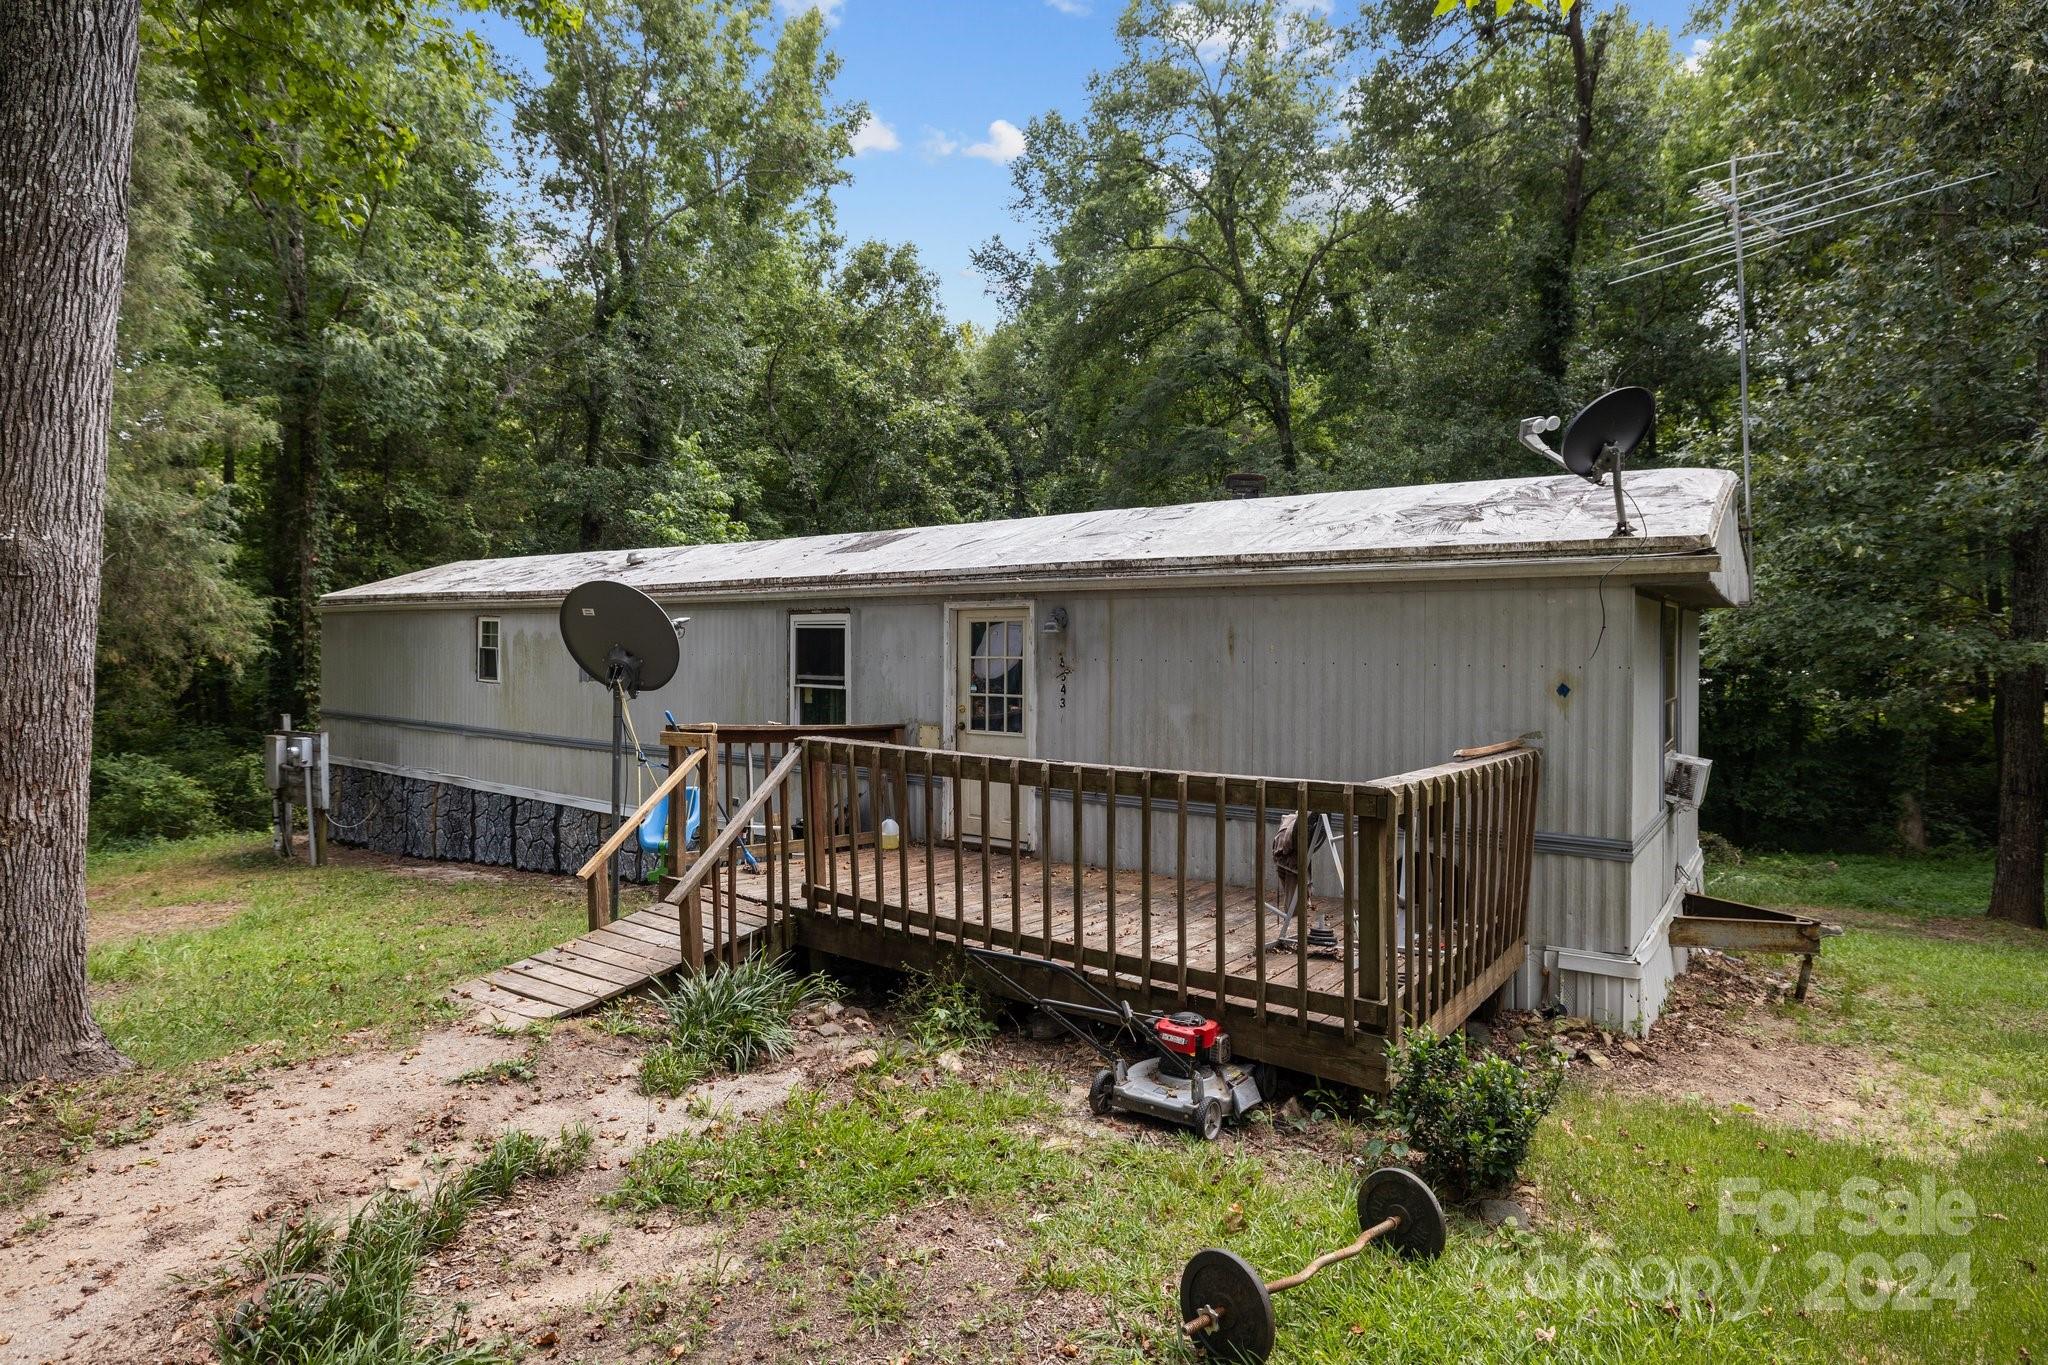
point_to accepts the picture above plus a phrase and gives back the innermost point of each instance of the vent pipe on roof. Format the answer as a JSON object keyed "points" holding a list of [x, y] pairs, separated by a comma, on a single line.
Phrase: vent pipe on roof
{"points": [[1245, 484]]}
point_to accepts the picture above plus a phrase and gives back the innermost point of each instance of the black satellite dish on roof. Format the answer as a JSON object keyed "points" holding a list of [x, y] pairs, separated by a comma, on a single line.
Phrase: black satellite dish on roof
{"points": [[1599, 440], [621, 637]]}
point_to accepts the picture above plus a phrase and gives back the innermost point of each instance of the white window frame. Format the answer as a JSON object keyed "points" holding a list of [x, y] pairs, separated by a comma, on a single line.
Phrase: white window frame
{"points": [[497, 649], [814, 620]]}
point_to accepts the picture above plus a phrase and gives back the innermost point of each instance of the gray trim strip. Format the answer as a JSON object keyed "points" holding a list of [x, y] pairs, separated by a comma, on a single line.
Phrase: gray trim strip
{"points": [[1585, 846], [653, 753]]}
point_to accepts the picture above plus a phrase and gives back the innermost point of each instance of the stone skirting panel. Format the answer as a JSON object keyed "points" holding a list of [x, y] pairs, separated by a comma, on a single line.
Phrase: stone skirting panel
{"points": [[418, 818]]}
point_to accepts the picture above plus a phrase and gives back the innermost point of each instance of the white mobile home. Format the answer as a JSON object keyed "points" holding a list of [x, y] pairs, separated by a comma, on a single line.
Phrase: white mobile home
{"points": [[1331, 636]]}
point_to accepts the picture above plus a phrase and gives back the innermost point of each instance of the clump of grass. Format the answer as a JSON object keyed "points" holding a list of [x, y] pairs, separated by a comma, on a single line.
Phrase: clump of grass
{"points": [[670, 1069], [504, 1071], [625, 1019], [331, 1292], [876, 1300], [731, 1019], [885, 1151], [945, 1009]]}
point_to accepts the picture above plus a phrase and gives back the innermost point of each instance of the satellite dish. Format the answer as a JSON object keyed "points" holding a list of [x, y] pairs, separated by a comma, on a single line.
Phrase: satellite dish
{"points": [[621, 637], [1607, 430], [1599, 440]]}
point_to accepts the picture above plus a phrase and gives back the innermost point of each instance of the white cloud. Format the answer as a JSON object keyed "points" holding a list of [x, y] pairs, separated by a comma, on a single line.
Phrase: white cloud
{"points": [[828, 8], [873, 135], [937, 143], [1005, 143], [1700, 48], [1068, 6]]}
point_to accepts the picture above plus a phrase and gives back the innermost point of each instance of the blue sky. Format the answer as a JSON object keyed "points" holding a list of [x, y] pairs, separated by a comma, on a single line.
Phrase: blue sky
{"points": [[951, 85]]}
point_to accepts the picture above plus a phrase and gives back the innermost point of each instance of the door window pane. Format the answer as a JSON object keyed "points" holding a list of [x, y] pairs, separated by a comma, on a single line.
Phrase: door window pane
{"points": [[995, 677]]}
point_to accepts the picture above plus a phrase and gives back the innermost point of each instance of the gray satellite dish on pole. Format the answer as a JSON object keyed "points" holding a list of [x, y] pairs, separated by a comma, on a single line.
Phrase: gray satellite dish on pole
{"points": [[621, 637], [1599, 440]]}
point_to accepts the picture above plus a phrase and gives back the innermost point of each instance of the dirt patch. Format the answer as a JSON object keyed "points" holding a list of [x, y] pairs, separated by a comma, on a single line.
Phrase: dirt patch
{"points": [[1720, 1042], [577, 1283], [109, 920]]}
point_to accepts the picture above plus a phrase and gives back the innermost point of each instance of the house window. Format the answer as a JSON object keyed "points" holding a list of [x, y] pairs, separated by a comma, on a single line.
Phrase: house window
{"points": [[1668, 638], [817, 670], [487, 649]]}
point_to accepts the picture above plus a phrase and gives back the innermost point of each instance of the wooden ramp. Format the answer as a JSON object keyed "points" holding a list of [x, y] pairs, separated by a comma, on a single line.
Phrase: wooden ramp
{"points": [[595, 967]]}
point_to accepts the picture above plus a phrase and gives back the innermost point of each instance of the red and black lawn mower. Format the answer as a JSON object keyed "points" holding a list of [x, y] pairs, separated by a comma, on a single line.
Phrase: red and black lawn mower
{"points": [[1190, 1079]]}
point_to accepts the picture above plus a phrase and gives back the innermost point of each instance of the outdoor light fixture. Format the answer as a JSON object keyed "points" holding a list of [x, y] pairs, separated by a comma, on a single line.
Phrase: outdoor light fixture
{"points": [[1055, 622]]}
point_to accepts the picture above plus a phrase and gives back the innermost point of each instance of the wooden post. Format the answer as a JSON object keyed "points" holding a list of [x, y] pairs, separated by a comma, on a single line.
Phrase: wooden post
{"points": [[692, 923], [816, 839], [1382, 912]]}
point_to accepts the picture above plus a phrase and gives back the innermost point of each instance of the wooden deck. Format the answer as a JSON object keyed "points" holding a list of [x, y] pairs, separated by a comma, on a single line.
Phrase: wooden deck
{"points": [[600, 965], [1432, 923]]}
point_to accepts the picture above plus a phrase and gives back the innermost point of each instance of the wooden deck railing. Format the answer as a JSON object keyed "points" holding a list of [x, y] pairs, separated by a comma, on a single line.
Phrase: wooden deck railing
{"points": [[1142, 879], [1159, 884], [707, 895], [739, 757], [596, 873], [1466, 839]]}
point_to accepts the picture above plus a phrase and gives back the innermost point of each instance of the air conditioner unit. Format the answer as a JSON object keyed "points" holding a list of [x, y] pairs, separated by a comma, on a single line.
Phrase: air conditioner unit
{"points": [[1685, 780]]}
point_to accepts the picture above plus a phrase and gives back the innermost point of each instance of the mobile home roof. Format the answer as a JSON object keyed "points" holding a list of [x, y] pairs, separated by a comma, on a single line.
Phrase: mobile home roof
{"points": [[1503, 522]]}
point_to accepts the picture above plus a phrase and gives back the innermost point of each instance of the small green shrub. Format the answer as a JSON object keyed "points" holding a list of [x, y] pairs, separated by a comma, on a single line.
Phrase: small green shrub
{"points": [[135, 797], [1470, 1117], [731, 1019], [945, 1009]]}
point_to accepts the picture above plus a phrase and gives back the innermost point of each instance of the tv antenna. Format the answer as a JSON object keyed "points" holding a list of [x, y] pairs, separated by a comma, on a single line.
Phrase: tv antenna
{"points": [[1599, 440], [1745, 212], [621, 637]]}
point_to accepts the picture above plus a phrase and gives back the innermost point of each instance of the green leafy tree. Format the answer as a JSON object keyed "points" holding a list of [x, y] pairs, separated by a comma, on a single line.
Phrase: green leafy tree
{"points": [[172, 604], [1193, 219], [675, 147], [1903, 498], [352, 269], [859, 413], [1532, 148]]}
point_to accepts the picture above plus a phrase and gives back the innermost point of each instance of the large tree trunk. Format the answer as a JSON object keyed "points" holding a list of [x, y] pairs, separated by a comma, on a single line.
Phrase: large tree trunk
{"points": [[2016, 892], [67, 117]]}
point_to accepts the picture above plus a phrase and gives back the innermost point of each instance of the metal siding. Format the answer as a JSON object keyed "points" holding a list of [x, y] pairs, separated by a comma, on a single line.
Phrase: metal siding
{"points": [[1350, 683]]}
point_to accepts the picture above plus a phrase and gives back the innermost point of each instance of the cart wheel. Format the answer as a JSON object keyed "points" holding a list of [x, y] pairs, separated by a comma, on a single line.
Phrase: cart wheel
{"points": [[1209, 1119], [1100, 1093]]}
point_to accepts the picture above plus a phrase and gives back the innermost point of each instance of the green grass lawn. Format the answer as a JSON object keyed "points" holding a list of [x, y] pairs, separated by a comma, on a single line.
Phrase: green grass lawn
{"points": [[1927, 886], [303, 957]]}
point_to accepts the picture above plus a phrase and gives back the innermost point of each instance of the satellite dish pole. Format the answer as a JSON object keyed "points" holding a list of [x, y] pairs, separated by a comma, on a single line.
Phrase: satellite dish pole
{"points": [[621, 637], [1747, 214]]}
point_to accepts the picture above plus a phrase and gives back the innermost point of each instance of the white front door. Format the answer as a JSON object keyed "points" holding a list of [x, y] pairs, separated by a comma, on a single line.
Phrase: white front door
{"points": [[992, 706]]}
